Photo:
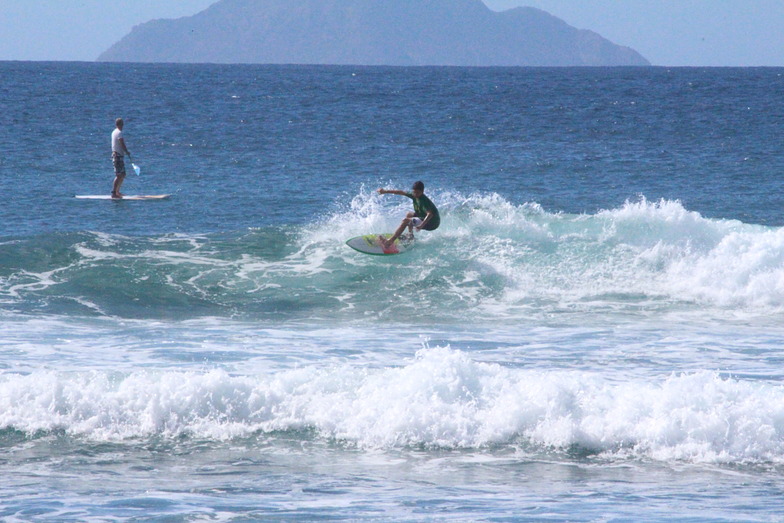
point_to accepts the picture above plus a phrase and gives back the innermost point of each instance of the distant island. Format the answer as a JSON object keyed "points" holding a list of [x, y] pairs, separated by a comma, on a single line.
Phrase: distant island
{"points": [[368, 32]]}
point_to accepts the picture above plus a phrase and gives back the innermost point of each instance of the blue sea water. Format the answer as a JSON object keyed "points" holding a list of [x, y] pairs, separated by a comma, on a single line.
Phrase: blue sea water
{"points": [[593, 334]]}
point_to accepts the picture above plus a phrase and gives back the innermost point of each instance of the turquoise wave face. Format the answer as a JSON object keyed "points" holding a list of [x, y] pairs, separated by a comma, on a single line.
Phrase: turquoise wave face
{"points": [[490, 260]]}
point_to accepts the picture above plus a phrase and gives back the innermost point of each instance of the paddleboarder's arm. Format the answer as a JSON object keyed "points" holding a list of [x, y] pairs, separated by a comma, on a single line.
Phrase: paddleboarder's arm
{"points": [[122, 144]]}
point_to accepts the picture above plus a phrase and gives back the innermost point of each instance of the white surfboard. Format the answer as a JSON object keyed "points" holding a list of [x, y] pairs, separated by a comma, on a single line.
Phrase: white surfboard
{"points": [[128, 197], [369, 244]]}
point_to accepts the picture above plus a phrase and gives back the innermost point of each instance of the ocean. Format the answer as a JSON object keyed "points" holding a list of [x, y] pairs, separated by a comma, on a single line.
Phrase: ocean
{"points": [[594, 333]]}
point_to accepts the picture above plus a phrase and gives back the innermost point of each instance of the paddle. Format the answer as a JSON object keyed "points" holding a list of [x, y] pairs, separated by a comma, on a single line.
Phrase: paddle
{"points": [[135, 167]]}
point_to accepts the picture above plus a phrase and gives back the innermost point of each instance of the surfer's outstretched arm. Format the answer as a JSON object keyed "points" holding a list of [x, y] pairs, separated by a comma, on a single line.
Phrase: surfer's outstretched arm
{"points": [[392, 191]]}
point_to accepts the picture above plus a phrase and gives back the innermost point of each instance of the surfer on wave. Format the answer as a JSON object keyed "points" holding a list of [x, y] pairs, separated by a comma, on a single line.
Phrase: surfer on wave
{"points": [[425, 215]]}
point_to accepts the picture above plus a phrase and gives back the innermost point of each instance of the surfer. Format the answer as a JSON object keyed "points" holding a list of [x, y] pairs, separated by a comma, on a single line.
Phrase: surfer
{"points": [[119, 150], [425, 215]]}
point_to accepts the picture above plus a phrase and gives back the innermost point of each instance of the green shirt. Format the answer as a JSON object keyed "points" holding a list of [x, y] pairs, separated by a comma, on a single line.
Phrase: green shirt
{"points": [[422, 206]]}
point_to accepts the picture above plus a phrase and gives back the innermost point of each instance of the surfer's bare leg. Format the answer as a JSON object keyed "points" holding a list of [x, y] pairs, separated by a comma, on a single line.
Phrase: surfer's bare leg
{"points": [[410, 229], [405, 223]]}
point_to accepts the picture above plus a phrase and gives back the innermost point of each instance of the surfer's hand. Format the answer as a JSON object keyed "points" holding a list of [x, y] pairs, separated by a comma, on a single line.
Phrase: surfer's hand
{"points": [[381, 191]]}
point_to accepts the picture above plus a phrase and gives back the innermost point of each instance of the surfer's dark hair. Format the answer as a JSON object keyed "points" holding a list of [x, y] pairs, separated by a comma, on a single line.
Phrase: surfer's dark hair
{"points": [[418, 186]]}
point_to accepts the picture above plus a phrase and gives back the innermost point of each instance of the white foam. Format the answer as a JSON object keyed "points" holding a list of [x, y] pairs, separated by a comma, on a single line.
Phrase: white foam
{"points": [[500, 257], [442, 398]]}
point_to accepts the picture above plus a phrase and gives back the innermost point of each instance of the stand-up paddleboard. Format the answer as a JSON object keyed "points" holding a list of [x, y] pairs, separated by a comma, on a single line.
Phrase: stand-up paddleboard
{"points": [[129, 197], [369, 244]]}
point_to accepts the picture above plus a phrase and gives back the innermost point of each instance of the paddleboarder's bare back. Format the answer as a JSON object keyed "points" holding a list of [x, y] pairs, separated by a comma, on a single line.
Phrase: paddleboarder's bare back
{"points": [[425, 215], [119, 150]]}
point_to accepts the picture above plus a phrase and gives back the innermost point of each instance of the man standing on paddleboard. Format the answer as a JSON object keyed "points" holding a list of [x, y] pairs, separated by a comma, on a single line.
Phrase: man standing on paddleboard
{"points": [[425, 215], [119, 150]]}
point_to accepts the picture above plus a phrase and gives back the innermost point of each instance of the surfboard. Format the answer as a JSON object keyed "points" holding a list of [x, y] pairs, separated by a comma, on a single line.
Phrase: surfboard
{"points": [[369, 244], [128, 197]]}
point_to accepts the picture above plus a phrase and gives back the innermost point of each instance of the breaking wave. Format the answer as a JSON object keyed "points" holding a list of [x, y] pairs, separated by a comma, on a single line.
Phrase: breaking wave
{"points": [[491, 259]]}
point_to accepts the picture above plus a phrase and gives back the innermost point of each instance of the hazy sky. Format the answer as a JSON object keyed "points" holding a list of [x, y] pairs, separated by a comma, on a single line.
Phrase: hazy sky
{"points": [[666, 32]]}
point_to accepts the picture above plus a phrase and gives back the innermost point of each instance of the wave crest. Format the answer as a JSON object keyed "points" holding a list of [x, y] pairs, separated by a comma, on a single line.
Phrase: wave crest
{"points": [[440, 399]]}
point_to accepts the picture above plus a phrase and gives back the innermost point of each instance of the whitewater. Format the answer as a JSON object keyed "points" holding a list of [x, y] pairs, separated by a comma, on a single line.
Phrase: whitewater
{"points": [[517, 271], [592, 334]]}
